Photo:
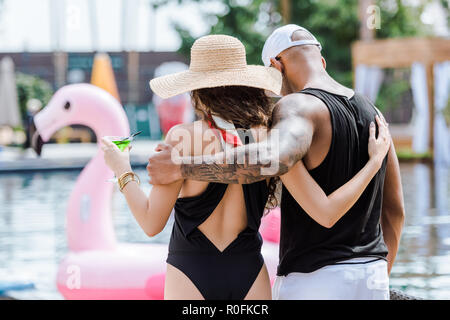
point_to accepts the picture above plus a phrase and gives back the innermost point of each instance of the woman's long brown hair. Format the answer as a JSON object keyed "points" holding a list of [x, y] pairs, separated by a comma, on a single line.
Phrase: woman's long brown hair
{"points": [[246, 107]]}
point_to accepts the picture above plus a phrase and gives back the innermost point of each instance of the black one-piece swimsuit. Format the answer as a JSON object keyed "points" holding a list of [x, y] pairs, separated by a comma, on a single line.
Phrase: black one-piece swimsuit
{"points": [[218, 275]]}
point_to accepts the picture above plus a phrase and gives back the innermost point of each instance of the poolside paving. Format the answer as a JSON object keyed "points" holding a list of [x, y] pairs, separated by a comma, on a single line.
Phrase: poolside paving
{"points": [[71, 156]]}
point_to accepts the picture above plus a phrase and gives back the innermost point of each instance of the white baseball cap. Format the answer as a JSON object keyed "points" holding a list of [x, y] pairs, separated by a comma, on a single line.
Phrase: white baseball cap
{"points": [[281, 39]]}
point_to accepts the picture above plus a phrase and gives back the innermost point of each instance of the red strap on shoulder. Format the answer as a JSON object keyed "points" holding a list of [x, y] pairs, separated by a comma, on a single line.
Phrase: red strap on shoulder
{"points": [[228, 137]]}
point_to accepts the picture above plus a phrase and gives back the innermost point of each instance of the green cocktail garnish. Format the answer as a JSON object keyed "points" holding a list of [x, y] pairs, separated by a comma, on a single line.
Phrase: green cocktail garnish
{"points": [[125, 142], [122, 144]]}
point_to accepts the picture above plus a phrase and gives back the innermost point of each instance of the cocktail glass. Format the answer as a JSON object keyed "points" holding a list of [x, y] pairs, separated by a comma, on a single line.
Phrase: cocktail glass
{"points": [[122, 143]]}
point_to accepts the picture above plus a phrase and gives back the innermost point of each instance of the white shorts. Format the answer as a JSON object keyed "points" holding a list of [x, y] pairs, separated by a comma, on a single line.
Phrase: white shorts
{"points": [[364, 281]]}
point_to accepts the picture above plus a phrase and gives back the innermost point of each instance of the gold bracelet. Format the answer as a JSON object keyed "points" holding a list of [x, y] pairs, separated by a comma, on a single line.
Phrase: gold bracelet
{"points": [[127, 177]]}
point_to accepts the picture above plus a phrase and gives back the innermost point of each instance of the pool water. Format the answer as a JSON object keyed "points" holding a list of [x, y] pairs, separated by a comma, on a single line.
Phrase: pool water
{"points": [[32, 227], [422, 267], [33, 239]]}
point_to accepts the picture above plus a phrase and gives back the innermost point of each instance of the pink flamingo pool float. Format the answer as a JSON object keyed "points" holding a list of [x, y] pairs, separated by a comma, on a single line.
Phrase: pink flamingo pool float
{"points": [[97, 266]]}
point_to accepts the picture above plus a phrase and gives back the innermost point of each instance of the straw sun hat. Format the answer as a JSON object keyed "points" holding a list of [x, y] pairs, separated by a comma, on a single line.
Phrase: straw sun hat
{"points": [[217, 60]]}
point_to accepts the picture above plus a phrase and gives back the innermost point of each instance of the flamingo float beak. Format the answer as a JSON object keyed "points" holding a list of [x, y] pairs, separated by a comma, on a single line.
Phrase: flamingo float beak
{"points": [[36, 139]]}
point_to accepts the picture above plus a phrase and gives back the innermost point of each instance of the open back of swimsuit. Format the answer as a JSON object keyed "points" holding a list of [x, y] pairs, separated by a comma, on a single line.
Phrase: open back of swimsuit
{"points": [[218, 275]]}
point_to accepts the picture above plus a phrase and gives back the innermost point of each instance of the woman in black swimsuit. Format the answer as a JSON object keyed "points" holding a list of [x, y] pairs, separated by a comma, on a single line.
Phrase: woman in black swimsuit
{"points": [[215, 247]]}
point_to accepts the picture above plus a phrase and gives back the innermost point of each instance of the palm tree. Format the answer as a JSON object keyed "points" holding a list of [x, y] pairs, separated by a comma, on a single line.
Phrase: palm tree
{"points": [[365, 33], [286, 10]]}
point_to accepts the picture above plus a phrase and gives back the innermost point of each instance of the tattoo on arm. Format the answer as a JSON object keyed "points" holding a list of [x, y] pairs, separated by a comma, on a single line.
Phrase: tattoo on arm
{"points": [[226, 173], [293, 135]]}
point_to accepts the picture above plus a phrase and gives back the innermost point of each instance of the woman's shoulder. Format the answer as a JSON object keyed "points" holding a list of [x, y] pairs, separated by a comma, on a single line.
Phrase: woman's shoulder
{"points": [[186, 132], [193, 139]]}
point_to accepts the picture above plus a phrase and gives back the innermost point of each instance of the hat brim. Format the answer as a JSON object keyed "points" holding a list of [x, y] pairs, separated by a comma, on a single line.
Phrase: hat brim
{"points": [[267, 78]]}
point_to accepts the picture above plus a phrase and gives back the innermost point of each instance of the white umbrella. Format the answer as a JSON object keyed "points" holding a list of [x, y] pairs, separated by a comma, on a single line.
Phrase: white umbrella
{"points": [[9, 107]]}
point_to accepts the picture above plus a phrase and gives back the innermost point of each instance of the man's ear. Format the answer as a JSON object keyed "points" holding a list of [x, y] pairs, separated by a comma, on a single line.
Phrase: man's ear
{"points": [[277, 64], [324, 63]]}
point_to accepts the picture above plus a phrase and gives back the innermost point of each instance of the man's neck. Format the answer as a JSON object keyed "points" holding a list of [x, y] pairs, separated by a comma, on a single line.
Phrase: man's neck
{"points": [[319, 80], [313, 80]]}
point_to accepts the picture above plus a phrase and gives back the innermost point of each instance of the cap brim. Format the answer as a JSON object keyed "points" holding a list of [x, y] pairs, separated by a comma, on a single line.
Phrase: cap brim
{"points": [[252, 76]]}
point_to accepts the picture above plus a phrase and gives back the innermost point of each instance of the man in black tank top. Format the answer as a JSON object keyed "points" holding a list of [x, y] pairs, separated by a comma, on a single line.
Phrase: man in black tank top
{"points": [[326, 125]]}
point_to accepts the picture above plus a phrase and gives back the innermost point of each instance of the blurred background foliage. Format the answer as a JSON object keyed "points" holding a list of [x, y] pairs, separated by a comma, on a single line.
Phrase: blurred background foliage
{"points": [[32, 87], [334, 22], [336, 25]]}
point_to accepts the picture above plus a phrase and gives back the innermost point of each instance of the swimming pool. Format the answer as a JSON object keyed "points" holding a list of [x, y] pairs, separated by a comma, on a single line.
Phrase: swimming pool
{"points": [[33, 239]]}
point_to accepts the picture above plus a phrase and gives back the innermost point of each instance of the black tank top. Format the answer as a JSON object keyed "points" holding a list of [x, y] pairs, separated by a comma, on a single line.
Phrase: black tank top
{"points": [[305, 245]]}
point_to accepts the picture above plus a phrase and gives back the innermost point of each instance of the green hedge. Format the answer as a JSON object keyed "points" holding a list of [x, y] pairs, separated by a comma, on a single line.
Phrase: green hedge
{"points": [[32, 87]]}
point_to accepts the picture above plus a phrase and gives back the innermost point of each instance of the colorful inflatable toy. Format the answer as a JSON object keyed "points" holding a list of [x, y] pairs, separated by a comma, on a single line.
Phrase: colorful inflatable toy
{"points": [[97, 267], [270, 232]]}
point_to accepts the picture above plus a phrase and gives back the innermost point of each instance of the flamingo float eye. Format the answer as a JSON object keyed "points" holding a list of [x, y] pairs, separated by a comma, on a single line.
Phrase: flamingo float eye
{"points": [[67, 106]]}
